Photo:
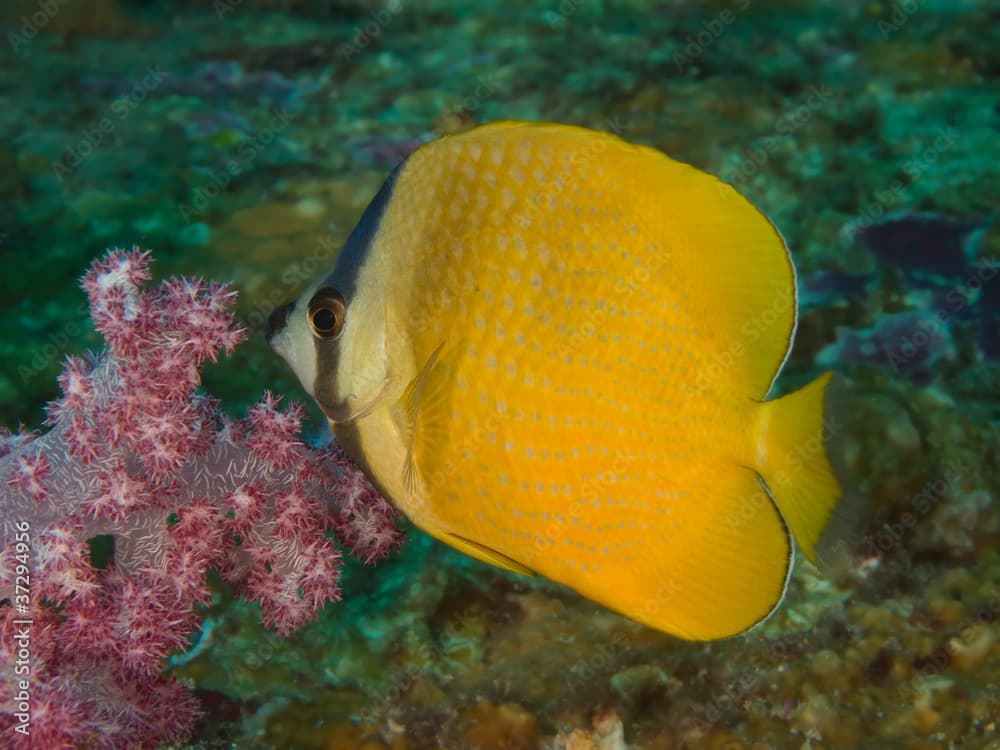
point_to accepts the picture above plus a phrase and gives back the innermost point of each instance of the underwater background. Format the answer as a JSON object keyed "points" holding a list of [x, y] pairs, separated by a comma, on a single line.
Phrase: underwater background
{"points": [[240, 140]]}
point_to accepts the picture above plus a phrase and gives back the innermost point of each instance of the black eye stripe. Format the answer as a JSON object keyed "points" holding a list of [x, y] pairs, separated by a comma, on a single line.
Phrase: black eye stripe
{"points": [[277, 320], [354, 253]]}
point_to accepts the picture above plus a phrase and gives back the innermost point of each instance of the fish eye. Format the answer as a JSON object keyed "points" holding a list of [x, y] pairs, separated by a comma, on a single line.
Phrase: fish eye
{"points": [[326, 314]]}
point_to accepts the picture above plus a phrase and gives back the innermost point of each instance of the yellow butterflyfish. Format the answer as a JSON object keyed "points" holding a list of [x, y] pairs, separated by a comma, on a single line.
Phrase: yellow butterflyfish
{"points": [[551, 349]]}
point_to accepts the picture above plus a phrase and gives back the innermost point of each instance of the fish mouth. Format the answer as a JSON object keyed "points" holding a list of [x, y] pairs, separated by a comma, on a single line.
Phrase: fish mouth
{"points": [[354, 408]]}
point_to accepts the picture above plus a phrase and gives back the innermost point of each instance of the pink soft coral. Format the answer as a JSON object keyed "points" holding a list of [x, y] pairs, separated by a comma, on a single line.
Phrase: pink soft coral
{"points": [[135, 451]]}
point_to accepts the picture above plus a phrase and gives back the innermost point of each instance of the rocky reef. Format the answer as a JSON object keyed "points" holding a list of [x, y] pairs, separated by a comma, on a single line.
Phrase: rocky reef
{"points": [[242, 139]]}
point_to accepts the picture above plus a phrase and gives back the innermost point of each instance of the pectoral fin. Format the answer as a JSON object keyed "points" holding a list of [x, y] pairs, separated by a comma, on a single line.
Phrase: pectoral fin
{"points": [[422, 413]]}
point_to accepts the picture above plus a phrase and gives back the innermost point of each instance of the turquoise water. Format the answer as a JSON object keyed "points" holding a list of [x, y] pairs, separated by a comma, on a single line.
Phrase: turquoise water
{"points": [[241, 140]]}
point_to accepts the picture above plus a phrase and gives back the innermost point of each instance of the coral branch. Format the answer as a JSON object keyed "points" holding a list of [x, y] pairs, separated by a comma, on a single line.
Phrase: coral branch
{"points": [[135, 451]]}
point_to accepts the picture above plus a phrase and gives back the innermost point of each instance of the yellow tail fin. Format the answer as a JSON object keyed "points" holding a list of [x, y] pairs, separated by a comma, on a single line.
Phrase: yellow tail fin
{"points": [[794, 438]]}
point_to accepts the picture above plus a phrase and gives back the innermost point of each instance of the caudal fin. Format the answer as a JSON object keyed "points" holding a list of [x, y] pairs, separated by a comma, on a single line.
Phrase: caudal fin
{"points": [[796, 435]]}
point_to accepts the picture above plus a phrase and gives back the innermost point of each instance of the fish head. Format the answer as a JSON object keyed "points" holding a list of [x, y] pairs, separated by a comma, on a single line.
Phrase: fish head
{"points": [[336, 344], [335, 335]]}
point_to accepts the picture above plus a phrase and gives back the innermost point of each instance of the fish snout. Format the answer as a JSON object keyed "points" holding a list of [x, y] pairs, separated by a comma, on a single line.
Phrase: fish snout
{"points": [[277, 320]]}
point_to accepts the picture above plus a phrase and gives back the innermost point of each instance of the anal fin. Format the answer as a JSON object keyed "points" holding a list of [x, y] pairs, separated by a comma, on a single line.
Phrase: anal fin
{"points": [[485, 554]]}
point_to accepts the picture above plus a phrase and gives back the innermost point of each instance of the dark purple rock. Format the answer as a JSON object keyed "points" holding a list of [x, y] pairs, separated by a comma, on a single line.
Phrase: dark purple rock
{"points": [[922, 244], [208, 124], [910, 343], [379, 150], [830, 287], [988, 278], [988, 338], [214, 81]]}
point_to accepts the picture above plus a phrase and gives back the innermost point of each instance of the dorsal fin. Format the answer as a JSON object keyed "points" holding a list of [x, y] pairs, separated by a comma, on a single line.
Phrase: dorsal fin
{"points": [[726, 263]]}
